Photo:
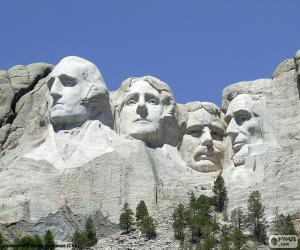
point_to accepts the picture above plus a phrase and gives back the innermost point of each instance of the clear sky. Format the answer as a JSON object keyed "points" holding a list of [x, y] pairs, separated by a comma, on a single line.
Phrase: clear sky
{"points": [[198, 47]]}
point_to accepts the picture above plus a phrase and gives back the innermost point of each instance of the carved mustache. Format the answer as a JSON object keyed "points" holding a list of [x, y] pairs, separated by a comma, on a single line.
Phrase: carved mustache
{"points": [[205, 151]]}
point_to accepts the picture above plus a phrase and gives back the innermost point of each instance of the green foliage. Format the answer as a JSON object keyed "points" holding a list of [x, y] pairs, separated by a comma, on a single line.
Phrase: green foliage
{"points": [[179, 223], [199, 219], [283, 224], [49, 242], [2, 242], [220, 193], [126, 218], [238, 238], [90, 232], [225, 238], [39, 242], [207, 243], [25, 243], [79, 239], [141, 211], [86, 238], [255, 217], [238, 219], [35, 242], [147, 227]]}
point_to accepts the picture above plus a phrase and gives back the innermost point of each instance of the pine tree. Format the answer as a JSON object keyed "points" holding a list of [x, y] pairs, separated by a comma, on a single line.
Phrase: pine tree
{"points": [[255, 216], [225, 238], [48, 240], [238, 238], [238, 219], [2, 242], [220, 193], [179, 222], [38, 242], [90, 232], [283, 224], [79, 239], [141, 211], [147, 227], [126, 218]]}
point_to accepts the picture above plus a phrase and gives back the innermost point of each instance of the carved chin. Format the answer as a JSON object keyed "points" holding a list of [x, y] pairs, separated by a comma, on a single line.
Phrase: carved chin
{"points": [[240, 157], [205, 166], [141, 130]]}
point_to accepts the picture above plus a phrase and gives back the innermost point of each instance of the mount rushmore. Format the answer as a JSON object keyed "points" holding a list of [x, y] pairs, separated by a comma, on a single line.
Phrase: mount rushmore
{"points": [[70, 148]]}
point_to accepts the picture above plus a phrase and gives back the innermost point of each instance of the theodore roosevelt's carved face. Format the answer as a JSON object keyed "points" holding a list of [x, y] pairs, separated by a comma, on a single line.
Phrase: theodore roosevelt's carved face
{"points": [[141, 112], [244, 127], [202, 144]]}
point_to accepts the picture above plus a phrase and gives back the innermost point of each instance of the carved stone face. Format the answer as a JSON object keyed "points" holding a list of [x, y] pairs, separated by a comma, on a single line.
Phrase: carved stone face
{"points": [[78, 93], [244, 127], [141, 113], [66, 92], [202, 144]]}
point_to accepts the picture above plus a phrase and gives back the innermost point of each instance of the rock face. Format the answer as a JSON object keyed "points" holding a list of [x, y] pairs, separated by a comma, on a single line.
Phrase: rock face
{"points": [[70, 148]]}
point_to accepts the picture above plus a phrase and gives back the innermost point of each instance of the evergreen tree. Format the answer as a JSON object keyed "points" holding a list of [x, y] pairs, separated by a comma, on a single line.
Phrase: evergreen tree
{"points": [[225, 238], [220, 193], [179, 222], [126, 218], [256, 216], [141, 211], [147, 227], [238, 219], [48, 239], [80, 240], [283, 224], [90, 232], [238, 238], [2, 243], [38, 242], [199, 216], [25, 243]]}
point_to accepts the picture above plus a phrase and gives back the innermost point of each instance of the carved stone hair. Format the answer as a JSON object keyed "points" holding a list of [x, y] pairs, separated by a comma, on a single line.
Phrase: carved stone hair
{"points": [[211, 108]]}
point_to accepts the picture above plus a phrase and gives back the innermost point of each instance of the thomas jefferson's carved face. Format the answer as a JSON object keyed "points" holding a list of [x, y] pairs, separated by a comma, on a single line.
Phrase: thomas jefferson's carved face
{"points": [[141, 113], [202, 145], [244, 127], [66, 91]]}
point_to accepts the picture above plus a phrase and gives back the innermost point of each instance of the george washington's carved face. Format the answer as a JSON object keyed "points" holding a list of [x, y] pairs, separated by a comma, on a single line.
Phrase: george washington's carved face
{"points": [[66, 92], [141, 112], [202, 144], [78, 93], [244, 127]]}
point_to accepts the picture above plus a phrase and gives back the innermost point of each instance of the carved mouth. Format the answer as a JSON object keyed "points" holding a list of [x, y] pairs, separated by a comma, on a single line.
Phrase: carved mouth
{"points": [[238, 145], [203, 157], [142, 120]]}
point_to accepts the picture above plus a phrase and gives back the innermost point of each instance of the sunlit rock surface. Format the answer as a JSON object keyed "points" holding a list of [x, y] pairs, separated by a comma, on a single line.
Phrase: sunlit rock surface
{"points": [[70, 148]]}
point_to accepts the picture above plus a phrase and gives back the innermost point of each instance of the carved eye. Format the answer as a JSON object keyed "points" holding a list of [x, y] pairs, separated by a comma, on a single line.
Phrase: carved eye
{"points": [[131, 102], [240, 119], [216, 136], [152, 101], [195, 133], [69, 83]]}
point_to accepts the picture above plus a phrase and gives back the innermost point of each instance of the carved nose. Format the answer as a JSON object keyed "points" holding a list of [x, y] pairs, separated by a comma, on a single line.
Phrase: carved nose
{"points": [[233, 129], [206, 139], [142, 109], [56, 89]]}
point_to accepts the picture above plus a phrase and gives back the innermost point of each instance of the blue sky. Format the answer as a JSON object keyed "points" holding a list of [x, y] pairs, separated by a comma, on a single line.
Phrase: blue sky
{"points": [[197, 47]]}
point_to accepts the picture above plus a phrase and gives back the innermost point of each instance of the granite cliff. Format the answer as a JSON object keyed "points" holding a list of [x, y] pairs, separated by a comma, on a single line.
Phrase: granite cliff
{"points": [[70, 148]]}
